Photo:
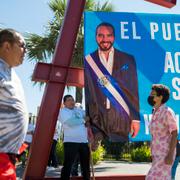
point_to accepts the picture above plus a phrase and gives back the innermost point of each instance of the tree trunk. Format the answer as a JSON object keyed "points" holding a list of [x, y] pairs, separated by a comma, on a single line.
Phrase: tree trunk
{"points": [[78, 94]]}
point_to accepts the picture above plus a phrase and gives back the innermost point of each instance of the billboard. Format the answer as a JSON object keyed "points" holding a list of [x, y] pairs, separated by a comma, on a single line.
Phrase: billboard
{"points": [[153, 40]]}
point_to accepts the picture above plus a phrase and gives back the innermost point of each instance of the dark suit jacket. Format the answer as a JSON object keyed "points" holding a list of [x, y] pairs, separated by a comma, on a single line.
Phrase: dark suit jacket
{"points": [[178, 149], [109, 121]]}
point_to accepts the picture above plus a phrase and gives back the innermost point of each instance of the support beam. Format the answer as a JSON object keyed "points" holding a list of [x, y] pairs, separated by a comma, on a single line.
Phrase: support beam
{"points": [[44, 72], [165, 3]]}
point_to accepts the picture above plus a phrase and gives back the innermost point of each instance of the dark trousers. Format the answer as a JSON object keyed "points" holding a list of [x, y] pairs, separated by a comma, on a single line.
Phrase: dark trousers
{"points": [[53, 157], [70, 152], [74, 169]]}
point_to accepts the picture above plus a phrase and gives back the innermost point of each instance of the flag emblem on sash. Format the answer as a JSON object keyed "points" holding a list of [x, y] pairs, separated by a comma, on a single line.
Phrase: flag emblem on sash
{"points": [[103, 81]]}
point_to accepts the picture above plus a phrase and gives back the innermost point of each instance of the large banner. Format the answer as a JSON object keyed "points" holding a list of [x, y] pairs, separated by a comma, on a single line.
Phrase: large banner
{"points": [[149, 46]]}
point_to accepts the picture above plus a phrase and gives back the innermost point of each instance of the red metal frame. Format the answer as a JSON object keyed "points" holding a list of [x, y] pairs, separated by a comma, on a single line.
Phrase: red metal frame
{"points": [[53, 73], [54, 90], [165, 3]]}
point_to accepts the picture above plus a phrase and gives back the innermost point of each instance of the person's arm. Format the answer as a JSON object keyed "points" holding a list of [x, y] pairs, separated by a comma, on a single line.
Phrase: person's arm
{"points": [[132, 94], [89, 130], [135, 126], [171, 124], [87, 93], [172, 145]]}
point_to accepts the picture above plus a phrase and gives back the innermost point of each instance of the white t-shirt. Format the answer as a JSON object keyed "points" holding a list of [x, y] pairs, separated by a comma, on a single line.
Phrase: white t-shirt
{"points": [[72, 121], [57, 132], [29, 136]]}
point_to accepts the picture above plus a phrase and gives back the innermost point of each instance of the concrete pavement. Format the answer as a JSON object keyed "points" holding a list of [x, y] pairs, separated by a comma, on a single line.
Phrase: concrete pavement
{"points": [[107, 168]]}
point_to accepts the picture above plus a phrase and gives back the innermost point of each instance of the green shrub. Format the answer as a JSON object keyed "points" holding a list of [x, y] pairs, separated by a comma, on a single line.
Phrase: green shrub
{"points": [[97, 155], [60, 152], [126, 156], [141, 154]]}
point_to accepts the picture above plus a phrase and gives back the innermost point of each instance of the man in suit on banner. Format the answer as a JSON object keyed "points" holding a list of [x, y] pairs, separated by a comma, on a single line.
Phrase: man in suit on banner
{"points": [[111, 89]]}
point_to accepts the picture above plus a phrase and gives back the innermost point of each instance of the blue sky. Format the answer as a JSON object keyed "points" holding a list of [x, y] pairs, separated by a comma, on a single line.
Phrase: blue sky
{"points": [[33, 15]]}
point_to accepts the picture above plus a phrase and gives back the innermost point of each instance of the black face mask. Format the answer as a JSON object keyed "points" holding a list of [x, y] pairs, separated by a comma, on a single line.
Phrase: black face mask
{"points": [[151, 100]]}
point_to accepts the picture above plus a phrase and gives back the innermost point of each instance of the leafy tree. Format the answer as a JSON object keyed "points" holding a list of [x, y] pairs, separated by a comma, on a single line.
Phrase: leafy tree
{"points": [[41, 48]]}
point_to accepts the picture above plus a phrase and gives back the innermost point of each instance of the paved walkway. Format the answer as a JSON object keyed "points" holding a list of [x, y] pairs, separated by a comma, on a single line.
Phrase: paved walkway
{"points": [[107, 168]]}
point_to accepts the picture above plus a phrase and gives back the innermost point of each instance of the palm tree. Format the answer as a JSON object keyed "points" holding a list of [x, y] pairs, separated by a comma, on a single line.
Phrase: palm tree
{"points": [[41, 48]]}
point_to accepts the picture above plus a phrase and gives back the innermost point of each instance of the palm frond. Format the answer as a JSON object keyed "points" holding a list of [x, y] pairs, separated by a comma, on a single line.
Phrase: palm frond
{"points": [[58, 6], [104, 7], [89, 5], [39, 48]]}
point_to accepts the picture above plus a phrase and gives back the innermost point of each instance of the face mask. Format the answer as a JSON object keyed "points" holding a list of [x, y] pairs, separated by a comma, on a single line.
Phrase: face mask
{"points": [[151, 100]]}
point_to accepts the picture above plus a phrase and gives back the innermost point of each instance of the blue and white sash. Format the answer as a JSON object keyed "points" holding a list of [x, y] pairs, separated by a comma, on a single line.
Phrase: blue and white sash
{"points": [[108, 85]]}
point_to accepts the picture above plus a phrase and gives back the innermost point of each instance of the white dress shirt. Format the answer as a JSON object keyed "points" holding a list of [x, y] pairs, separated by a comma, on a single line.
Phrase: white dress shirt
{"points": [[108, 64]]}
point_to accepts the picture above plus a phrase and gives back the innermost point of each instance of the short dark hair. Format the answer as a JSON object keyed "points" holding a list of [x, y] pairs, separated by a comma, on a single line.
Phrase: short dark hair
{"points": [[162, 90], [106, 24], [8, 35], [66, 97]]}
